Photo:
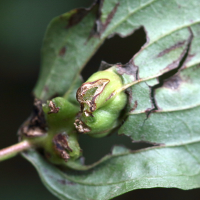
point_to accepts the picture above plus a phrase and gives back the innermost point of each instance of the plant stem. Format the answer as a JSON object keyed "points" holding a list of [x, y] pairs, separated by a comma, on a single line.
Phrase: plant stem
{"points": [[13, 150]]}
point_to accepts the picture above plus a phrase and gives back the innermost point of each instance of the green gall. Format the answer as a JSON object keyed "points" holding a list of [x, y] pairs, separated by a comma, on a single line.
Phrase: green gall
{"points": [[63, 147], [62, 143], [100, 103], [60, 113]]}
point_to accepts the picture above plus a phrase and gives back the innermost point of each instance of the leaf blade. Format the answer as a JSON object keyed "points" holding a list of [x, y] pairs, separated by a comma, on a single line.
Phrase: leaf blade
{"points": [[167, 25], [161, 167]]}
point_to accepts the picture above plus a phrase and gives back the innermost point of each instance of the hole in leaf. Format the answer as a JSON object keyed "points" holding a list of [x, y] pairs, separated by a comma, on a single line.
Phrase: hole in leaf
{"points": [[96, 148], [116, 50]]}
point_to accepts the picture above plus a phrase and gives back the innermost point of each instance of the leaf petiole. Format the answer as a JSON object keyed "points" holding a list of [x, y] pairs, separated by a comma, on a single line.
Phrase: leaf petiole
{"points": [[13, 150]]}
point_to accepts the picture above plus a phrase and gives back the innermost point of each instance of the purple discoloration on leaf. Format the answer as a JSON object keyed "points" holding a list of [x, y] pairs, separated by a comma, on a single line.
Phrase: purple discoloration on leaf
{"points": [[170, 78], [46, 88], [61, 181], [99, 27], [176, 63], [134, 106], [175, 46], [108, 19], [130, 68], [62, 51], [77, 17], [130, 95], [66, 182], [173, 82]]}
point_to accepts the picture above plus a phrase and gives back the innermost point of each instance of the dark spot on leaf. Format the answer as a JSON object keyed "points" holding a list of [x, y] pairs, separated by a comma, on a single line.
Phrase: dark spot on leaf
{"points": [[134, 106], [61, 181], [130, 68], [130, 95], [77, 17], [173, 82], [175, 46], [99, 27], [46, 88], [104, 25], [66, 182], [62, 51], [150, 144], [80, 13]]}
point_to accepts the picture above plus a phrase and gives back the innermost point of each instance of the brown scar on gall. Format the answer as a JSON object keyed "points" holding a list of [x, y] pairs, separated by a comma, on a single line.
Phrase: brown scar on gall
{"points": [[61, 145], [82, 92], [62, 140], [33, 132], [53, 108], [81, 127]]}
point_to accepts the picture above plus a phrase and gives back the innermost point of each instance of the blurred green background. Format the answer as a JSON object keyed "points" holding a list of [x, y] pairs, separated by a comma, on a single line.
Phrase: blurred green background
{"points": [[22, 27]]}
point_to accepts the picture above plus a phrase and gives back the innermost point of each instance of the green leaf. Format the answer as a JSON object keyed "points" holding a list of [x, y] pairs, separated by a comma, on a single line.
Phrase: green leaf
{"points": [[163, 107], [176, 118], [65, 51], [123, 171]]}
